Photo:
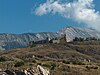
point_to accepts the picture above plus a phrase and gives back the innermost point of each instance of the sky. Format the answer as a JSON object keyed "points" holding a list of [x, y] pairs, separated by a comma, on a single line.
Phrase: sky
{"points": [[23, 16]]}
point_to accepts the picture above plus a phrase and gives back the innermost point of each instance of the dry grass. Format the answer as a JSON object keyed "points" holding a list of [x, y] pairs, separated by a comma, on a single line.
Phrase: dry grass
{"points": [[52, 56]]}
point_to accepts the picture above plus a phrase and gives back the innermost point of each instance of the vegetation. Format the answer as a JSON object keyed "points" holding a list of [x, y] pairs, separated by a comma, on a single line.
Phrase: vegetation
{"points": [[33, 45], [91, 38], [80, 39], [2, 59], [66, 62], [18, 64], [51, 66], [76, 58], [91, 67]]}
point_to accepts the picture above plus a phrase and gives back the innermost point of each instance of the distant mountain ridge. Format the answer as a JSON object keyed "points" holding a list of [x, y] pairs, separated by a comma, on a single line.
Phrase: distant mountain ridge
{"points": [[10, 41]]}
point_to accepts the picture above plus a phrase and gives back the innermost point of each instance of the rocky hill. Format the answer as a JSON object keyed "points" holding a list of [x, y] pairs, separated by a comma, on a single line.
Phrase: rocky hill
{"points": [[72, 32], [11, 41]]}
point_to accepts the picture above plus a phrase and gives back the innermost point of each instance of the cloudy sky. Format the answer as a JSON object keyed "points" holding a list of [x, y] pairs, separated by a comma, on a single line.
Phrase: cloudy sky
{"points": [[20, 16]]}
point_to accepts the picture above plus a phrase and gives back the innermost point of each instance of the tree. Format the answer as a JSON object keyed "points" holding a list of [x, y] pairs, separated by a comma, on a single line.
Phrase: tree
{"points": [[91, 38], [18, 64], [2, 59], [81, 39], [76, 39]]}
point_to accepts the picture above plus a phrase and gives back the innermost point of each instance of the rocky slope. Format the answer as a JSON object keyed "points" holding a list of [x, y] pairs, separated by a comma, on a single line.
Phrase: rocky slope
{"points": [[72, 32], [10, 41], [39, 70]]}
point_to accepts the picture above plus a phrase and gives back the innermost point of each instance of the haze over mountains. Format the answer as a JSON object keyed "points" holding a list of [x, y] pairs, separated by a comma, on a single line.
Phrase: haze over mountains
{"points": [[10, 41]]}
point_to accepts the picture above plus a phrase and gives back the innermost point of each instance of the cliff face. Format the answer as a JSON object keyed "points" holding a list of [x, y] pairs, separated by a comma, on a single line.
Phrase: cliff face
{"points": [[72, 32]]}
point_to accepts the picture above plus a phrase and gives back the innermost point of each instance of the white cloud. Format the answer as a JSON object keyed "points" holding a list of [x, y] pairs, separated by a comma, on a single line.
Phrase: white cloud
{"points": [[81, 11]]}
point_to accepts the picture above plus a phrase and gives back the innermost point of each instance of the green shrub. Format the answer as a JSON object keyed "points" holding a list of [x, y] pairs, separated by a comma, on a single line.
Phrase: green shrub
{"points": [[18, 64], [66, 62], [51, 66], [29, 60], [77, 63], [39, 64], [2, 59], [65, 68], [34, 45], [34, 61], [76, 39], [91, 67], [47, 65], [31, 64], [95, 67]]}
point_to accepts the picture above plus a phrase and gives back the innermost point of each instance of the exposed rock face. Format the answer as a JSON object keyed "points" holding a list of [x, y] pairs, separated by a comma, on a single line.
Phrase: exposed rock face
{"points": [[42, 70], [39, 70], [10, 41], [72, 32]]}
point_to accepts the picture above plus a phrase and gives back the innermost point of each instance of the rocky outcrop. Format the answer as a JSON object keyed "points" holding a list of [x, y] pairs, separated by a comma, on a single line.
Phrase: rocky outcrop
{"points": [[39, 70], [72, 32]]}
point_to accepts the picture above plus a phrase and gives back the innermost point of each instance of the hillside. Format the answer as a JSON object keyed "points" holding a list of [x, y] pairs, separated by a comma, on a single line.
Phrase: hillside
{"points": [[75, 58], [72, 32], [12, 41]]}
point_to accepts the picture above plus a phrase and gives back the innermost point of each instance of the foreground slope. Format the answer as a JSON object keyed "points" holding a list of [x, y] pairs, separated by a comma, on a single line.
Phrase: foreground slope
{"points": [[76, 58]]}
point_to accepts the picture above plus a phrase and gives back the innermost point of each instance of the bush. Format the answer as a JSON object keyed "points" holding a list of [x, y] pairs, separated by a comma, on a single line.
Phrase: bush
{"points": [[2, 59], [30, 64], [91, 38], [34, 61], [78, 39], [47, 65], [77, 63], [66, 62], [34, 45], [91, 67], [18, 64], [65, 68], [51, 66], [39, 63]]}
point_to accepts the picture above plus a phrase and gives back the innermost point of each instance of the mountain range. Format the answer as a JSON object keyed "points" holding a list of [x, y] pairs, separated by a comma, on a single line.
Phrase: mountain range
{"points": [[11, 41]]}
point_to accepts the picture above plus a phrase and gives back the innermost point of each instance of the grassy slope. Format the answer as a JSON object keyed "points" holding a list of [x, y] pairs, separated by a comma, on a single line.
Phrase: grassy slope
{"points": [[61, 59]]}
